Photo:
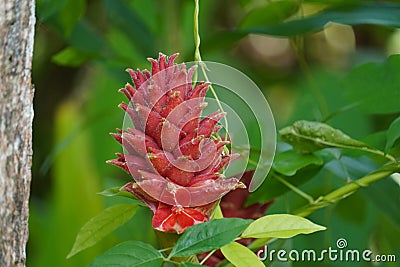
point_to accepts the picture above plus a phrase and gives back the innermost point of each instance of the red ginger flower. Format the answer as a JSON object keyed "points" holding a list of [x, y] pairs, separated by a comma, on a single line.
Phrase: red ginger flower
{"points": [[174, 155]]}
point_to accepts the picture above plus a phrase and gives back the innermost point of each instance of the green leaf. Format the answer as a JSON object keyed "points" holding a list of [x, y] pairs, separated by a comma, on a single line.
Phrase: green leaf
{"points": [[124, 18], [86, 37], [272, 188], [217, 213], [375, 87], [71, 57], [271, 12], [289, 162], [377, 13], [129, 254], [70, 14], [240, 256], [310, 136], [208, 236], [189, 264], [47, 8], [385, 194], [392, 134], [280, 226], [101, 225], [115, 191]]}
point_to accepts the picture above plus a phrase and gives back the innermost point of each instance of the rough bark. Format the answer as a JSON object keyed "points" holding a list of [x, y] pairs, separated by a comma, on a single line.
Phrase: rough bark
{"points": [[17, 19]]}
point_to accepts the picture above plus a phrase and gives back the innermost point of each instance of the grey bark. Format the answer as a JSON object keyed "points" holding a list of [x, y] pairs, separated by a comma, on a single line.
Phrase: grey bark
{"points": [[17, 19]]}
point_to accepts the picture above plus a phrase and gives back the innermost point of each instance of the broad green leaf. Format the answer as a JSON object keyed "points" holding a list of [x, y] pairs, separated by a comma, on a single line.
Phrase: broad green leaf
{"points": [[310, 136], [208, 236], [280, 226], [101, 225], [240, 256], [271, 12], [71, 57], [377, 13], [289, 162], [375, 87], [129, 254], [392, 134]]}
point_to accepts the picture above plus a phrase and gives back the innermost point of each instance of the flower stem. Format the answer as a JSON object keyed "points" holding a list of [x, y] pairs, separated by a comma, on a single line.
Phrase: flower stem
{"points": [[197, 56], [197, 59]]}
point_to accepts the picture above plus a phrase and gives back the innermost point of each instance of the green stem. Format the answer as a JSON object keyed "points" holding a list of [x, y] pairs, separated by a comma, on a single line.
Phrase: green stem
{"points": [[197, 59], [337, 195], [197, 56], [348, 189], [294, 188], [323, 106]]}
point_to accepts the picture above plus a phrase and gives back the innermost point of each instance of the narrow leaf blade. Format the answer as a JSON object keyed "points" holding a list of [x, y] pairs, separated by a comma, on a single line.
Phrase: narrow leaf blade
{"points": [[392, 134], [101, 225], [130, 253], [208, 236], [280, 226], [376, 13], [240, 256], [115, 191]]}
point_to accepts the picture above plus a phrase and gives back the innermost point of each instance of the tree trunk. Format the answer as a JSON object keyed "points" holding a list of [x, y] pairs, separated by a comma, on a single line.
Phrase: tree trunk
{"points": [[17, 19]]}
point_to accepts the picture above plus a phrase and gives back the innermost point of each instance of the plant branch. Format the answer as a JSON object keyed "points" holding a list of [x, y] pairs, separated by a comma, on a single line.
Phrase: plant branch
{"points": [[304, 195], [348, 189]]}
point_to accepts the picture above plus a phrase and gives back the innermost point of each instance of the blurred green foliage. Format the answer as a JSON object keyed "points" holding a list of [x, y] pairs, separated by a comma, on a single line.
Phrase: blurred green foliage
{"points": [[314, 71]]}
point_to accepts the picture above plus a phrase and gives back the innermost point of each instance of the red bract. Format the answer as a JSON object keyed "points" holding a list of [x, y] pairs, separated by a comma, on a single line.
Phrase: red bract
{"points": [[233, 205], [174, 155]]}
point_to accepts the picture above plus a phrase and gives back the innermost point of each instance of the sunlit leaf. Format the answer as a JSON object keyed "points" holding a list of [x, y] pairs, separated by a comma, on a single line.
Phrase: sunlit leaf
{"points": [[392, 134], [289, 162], [280, 226], [101, 225], [240, 255], [271, 12], [129, 253], [208, 236]]}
